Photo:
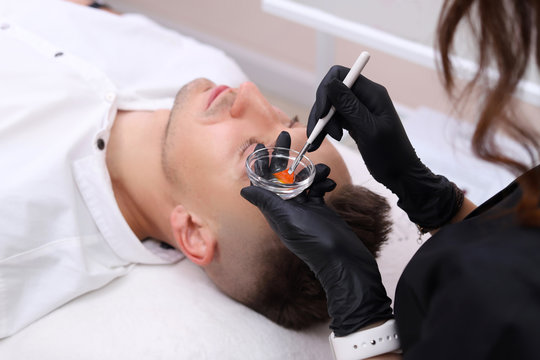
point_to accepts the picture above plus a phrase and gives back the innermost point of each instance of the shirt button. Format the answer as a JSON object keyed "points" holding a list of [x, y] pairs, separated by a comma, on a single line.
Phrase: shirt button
{"points": [[100, 144], [4, 26], [110, 97]]}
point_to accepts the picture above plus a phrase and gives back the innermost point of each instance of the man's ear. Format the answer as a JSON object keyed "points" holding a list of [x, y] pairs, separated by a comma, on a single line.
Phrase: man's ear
{"points": [[192, 236]]}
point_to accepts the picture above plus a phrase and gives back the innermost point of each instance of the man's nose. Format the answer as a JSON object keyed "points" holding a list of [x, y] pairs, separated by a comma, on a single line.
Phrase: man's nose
{"points": [[248, 97]]}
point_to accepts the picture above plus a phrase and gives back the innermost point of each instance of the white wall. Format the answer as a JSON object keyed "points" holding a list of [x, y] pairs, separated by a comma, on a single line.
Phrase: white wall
{"points": [[280, 55], [414, 20]]}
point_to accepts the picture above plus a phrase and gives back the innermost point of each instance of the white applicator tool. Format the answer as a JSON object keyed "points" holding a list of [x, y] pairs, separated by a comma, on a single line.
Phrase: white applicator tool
{"points": [[349, 80]]}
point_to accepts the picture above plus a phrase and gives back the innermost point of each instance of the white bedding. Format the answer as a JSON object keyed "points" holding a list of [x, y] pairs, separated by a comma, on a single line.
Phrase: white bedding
{"points": [[160, 312]]}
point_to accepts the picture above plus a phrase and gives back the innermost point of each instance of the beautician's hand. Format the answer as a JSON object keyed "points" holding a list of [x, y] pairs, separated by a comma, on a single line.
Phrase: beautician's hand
{"points": [[367, 112], [277, 164], [317, 235]]}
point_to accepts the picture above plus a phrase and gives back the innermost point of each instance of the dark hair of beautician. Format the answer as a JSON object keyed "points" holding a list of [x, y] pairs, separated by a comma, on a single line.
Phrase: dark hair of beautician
{"points": [[472, 291]]}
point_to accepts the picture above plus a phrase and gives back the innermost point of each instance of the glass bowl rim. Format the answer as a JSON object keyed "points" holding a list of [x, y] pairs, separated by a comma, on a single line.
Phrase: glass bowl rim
{"points": [[307, 180]]}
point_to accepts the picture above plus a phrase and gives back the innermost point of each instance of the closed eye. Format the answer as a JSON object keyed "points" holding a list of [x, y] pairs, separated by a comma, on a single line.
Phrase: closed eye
{"points": [[247, 144], [252, 141]]}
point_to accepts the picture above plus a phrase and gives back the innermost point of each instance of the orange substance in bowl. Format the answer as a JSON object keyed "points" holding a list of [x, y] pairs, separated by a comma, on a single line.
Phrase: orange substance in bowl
{"points": [[284, 177]]}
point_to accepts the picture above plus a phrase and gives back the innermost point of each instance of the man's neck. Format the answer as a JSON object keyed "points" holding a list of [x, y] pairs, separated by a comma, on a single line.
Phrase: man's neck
{"points": [[134, 164]]}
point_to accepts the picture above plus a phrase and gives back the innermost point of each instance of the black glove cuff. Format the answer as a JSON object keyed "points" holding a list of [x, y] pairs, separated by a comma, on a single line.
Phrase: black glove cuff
{"points": [[354, 324], [356, 296], [439, 208]]}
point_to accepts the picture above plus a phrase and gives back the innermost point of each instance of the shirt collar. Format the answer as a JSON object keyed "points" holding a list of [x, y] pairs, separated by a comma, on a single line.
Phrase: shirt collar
{"points": [[94, 183]]}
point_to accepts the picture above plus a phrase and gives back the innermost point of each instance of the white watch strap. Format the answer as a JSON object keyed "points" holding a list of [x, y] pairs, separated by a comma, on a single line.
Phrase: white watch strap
{"points": [[366, 343]]}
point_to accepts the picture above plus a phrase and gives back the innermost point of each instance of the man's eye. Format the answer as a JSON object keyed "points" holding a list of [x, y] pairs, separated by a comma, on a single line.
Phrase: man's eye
{"points": [[247, 144]]}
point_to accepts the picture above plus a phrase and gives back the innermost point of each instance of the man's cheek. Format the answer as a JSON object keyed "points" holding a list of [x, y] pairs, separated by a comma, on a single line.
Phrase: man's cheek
{"points": [[239, 220], [281, 116]]}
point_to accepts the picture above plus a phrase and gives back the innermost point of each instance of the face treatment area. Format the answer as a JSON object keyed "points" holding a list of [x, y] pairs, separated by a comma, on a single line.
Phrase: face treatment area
{"points": [[268, 168], [134, 231]]}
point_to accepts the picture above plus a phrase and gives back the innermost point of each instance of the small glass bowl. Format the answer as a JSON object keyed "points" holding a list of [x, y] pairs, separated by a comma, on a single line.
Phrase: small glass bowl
{"points": [[263, 163]]}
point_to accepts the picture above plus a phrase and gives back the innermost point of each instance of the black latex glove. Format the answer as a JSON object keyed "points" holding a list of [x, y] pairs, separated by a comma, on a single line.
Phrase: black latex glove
{"points": [[367, 112], [317, 235], [277, 164]]}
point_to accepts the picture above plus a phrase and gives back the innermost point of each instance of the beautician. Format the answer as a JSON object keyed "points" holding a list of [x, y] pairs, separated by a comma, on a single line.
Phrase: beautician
{"points": [[472, 291]]}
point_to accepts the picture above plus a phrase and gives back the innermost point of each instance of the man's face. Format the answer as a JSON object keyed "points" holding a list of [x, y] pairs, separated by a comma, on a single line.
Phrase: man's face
{"points": [[211, 131]]}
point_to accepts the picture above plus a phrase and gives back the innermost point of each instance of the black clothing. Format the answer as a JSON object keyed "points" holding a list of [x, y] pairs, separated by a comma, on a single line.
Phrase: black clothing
{"points": [[472, 291]]}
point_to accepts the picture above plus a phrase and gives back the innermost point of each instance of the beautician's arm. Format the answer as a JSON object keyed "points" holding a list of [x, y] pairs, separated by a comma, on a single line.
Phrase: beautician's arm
{"points": [[467, 207], [367, 112]]}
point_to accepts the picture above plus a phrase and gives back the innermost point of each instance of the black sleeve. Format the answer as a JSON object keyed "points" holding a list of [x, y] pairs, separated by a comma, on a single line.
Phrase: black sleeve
{"points": [[480, 307]]}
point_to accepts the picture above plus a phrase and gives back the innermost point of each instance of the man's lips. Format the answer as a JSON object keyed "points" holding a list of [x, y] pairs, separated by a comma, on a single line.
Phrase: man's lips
{"points": [[215, 93]]}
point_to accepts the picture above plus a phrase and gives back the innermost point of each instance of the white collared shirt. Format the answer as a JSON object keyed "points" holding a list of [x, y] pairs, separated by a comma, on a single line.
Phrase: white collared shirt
{"points": [[61, 231]]}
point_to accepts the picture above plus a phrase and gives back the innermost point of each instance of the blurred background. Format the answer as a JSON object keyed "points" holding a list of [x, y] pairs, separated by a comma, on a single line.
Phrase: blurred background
{"points": [[286, 46]]}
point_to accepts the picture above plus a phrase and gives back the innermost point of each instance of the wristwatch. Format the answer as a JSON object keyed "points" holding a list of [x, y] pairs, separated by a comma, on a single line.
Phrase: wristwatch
{"points": [[366, 343]]}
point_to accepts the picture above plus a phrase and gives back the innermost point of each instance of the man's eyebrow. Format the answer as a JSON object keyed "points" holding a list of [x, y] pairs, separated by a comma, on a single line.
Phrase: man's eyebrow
{"points": [[293, 120]]}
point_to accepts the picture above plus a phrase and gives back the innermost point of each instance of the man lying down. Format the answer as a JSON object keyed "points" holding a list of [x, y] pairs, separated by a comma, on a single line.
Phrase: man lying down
{"points": [[103, 170]]}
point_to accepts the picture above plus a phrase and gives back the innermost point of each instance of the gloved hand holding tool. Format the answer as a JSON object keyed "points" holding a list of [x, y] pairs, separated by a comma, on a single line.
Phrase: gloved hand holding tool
{"points": [[367, 112]]}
